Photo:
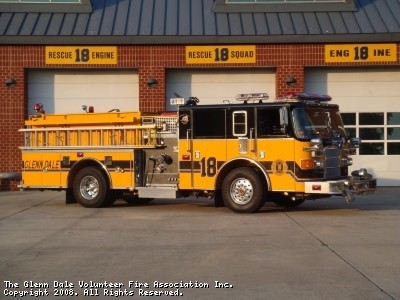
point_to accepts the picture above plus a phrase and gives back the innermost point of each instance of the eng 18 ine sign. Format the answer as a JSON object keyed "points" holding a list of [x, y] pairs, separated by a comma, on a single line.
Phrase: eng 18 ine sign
{"points": [[81, 55], [358, 53], [220, 54]]}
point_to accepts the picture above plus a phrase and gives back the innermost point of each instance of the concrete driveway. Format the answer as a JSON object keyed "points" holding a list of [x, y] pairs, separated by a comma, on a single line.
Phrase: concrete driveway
{"points": [[325, 249]]}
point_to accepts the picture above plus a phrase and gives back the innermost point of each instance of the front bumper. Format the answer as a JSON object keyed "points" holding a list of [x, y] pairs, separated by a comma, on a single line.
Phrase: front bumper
{"points": [[360, 182], [331, 187]]}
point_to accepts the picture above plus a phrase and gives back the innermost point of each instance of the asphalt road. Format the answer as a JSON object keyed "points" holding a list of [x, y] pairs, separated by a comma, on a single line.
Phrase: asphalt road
{"points": [[188, 249]]}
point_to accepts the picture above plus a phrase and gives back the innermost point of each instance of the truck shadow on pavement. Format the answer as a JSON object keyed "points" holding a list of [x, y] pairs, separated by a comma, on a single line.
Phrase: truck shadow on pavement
{"points": [[384, 199]]}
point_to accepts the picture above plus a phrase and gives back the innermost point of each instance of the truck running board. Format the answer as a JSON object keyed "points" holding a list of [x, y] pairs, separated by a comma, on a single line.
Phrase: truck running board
{"points": [[157, 192]]}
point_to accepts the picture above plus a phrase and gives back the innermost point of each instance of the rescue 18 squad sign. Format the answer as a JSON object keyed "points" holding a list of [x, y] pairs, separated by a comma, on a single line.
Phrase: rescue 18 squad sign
{"points": [[221, 54]]}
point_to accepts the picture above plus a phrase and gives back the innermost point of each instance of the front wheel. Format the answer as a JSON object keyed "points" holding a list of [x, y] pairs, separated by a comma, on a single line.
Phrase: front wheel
{"points": [[242, 191], [91, 188]]}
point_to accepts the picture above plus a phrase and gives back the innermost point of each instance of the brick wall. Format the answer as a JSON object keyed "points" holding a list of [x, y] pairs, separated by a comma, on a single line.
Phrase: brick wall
{"points": [[151, 61], [12, 112]]}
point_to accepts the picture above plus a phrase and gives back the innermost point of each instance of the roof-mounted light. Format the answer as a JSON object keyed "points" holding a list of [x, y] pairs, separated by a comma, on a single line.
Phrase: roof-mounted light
{"points": [[88, 109], [302, 96], [252, 97], [38, 107]]}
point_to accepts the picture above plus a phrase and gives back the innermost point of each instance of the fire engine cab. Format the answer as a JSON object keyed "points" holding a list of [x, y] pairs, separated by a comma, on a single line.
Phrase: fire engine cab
{"points": [[243, 154]]}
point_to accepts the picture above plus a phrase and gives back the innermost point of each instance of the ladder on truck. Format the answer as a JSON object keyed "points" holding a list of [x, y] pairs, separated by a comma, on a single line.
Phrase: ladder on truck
{"points": [[138, 136]]}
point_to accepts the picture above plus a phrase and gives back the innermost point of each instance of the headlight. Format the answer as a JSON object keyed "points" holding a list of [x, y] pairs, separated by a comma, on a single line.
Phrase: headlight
{"points": [[360, 173]]}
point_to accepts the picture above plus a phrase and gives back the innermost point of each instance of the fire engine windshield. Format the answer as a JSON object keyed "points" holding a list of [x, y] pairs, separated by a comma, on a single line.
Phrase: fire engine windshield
{"points": [[312, 122]]}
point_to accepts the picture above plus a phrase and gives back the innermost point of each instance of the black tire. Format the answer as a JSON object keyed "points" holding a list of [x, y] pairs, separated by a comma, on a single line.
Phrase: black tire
{"points": [[91, 188], [285, 201], [242, 191]]}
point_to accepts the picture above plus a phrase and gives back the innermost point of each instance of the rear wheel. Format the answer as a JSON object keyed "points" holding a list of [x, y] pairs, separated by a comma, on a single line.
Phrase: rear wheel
{"points": [[242, 191], [91, 188]]}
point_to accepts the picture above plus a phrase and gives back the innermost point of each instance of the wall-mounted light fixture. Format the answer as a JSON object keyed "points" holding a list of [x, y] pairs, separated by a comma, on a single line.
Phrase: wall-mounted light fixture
{"points": [[291, 81], [10, 82], [152, 82]]}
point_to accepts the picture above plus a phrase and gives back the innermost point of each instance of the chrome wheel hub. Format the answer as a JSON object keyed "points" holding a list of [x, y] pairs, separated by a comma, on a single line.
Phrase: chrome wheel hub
{"points": [[241, 191], [89, 187]]}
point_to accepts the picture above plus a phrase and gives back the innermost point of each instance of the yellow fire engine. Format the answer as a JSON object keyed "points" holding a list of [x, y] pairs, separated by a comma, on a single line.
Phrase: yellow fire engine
{"points": [[241, 154]]}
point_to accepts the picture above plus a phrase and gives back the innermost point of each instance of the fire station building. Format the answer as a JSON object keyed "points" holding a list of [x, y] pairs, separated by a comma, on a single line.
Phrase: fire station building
{"points": [[137, 54]]}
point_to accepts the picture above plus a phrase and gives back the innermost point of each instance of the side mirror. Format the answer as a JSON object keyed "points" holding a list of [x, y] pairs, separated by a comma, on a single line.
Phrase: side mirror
{"points": [[355, 142]]}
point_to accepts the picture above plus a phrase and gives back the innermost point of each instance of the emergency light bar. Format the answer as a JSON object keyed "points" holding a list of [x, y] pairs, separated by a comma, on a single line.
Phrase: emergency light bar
{"points": [[308, 96], [177, 101], [252, 97]]}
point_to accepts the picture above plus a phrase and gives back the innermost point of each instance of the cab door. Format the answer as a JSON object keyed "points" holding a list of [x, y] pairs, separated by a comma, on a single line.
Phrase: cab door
{"points": [[275, 147], [202, 146]]}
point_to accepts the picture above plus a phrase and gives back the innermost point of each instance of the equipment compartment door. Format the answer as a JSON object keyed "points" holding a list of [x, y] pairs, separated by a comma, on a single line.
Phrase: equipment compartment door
{"points": [[185, 153], [41, 169]]}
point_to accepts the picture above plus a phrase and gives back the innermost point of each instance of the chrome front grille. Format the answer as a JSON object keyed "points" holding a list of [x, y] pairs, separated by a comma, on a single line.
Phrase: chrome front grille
{"points": [[332, 162]]}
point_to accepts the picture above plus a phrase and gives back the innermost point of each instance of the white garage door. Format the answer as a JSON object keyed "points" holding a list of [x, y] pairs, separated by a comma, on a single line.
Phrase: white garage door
{"points": [[369, 100], [213, 86], [65, 91]]}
